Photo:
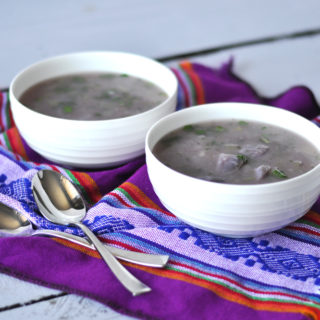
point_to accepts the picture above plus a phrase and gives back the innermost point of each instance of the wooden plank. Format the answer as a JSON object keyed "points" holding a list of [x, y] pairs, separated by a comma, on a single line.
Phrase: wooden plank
{"points": [[25, 300], [15, 292], [69, 307], [32, 30]]}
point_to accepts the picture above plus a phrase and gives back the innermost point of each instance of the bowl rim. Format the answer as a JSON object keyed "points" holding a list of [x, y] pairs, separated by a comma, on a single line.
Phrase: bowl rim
{"points": [[94, 52], [224, 186]]}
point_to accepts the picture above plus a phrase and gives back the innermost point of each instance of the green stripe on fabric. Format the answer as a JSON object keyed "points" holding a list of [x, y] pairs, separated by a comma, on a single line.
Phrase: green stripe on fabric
{"points": [[310, 304], [127, 195], [7, 113], [309, 223], [76, 181], [190, 85], [6, 140]]}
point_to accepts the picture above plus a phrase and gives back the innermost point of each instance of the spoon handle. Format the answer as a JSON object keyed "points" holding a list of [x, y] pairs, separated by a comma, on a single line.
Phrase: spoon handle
{"points": [[132, 284], [144, 259]]}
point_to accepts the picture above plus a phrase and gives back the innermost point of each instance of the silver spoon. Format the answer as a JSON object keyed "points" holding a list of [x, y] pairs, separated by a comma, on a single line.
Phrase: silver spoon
{"points": [[143, 259], [11, 221], [14, 223], [60, 202]]}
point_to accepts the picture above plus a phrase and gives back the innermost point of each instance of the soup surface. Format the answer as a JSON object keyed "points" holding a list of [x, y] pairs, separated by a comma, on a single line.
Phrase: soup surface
{"points": [[93, 96], [237, 152]]}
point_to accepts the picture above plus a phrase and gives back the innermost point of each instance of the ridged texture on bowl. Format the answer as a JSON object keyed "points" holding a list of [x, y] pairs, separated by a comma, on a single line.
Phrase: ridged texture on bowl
{"points": [[90, 144], [233, 210]]}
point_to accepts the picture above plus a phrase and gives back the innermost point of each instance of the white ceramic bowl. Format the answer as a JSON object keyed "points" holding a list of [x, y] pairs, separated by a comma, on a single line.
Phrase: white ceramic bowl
{"points": [[230, 209], [90, 144]]}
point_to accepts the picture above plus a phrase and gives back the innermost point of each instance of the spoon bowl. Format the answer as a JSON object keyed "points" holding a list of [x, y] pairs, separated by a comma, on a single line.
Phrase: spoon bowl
{"points": [[11, 221], [60, 202]]}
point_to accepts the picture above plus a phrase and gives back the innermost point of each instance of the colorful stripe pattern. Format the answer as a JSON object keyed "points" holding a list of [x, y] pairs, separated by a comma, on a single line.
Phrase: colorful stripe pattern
{"points": [[256, 293], [6, 120], [191, 87], [277, 272]]}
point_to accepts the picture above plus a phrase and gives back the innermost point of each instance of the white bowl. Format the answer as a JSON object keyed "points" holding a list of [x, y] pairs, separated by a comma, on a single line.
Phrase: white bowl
{"points": [[230, 209], [90, 144]]}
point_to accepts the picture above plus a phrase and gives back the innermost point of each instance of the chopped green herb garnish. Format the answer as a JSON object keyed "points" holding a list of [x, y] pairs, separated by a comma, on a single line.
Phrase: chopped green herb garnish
{"points": [[264, 139], [243, 158], [67, 109], [188, 128], [124, 75], [263, 128], [218, 128], [243, 123], [278, 173]]}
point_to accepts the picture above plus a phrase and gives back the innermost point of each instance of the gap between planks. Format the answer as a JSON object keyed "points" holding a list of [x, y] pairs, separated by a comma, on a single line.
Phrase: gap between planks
{"points": [[19, 305], [294, 35]]}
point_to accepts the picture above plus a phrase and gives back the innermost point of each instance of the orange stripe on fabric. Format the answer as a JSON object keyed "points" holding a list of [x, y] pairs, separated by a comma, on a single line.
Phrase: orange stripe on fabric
{"points": [[230, 295], [1, 106], [216, 288], [16, 142], [312, 216], [79, 247], [89, 251], [239, 285], [140, 197], [89, 184], [187, 67]]}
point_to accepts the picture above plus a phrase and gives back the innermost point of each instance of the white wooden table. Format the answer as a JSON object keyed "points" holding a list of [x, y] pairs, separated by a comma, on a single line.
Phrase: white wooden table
{"points": [[276, 45]]}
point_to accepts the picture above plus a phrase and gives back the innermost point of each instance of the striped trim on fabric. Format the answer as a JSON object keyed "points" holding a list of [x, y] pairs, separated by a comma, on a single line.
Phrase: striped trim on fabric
{"points": [[10, 155], [6, 120], [183, 92], [13, 142], [225, 283], [191, 91], [224, 286], [190, 85], [220, 285], [306, 229], [121, 199], [197, 266], [88, 187], [198, 91]]}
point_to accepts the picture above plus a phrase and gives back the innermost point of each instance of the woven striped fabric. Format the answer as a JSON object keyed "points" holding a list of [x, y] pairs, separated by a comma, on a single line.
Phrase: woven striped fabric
{"points": [[273, 276]]}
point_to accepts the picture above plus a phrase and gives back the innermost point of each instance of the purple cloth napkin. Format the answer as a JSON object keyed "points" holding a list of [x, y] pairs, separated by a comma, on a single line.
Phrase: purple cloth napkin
{"points": [[274, 276]]}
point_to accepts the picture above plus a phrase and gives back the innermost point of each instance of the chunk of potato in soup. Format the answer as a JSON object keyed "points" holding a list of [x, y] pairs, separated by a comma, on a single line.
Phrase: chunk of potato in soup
{"points": [[93, 96], [237, 152]]}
